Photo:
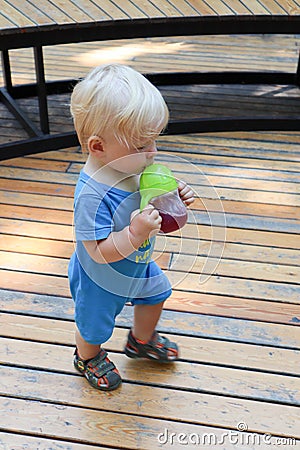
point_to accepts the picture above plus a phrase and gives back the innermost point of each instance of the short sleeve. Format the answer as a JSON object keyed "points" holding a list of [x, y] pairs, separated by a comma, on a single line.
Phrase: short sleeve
{"points": [[93, 218]]}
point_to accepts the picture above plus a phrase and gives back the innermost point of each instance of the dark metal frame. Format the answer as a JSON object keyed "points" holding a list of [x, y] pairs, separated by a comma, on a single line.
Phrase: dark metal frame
{"points": [[41, 140]]}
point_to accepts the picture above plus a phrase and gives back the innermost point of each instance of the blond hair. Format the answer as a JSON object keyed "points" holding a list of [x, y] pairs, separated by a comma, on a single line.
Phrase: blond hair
{"points": [[117, 97]]}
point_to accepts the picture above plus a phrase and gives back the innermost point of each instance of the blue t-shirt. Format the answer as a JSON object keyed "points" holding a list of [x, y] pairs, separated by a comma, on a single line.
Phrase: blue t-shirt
{"points": [[99, 210]]}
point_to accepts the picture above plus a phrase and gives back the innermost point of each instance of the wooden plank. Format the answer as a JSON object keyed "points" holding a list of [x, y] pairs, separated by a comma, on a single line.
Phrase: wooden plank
{"points": [[71, 154], [167, 8], [221, 8], [132, 10], [36, 200], [201, 303], [211, 327], [279, 154], [207, 351], [92, 10], [150, 8], [35, 163], [34, 246], [235, 307], [250, 162], [273, 7], [34, 263], [245, 236], [185, 168], [183, 375], [220, 285], [208, 191], [228, 250], [228, 156], [248, 208], [16, 16], [224, 267], [204, 303], [40, 175], [37, 187], [5, 22], [60, 210], [205, 233], [31, 11], [52, 266], [203, 8], [238, 7], [26, 282], [224, 328], [76, 14], [113, 10], [187, 376], [50, 247], [157, 403], [204, 176], [211, 284], [36, 214], [260, 186], [218, 219], [94, 427], [292, 7], [184, 7], [22, 441], [36, 229], [56, 14], [176, 263]]}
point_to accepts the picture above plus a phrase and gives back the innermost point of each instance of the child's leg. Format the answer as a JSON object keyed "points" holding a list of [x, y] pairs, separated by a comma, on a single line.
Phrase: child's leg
{"points": [[143, 341], [85, 350], [145, 320]]}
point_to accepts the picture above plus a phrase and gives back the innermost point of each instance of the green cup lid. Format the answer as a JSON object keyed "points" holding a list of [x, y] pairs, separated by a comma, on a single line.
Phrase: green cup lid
{"points": [[156, 180]]}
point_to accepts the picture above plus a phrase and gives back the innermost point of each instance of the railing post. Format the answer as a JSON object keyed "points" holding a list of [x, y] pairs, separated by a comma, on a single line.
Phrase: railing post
{"points": [[6, 71], [298, 72], [41, 89]]}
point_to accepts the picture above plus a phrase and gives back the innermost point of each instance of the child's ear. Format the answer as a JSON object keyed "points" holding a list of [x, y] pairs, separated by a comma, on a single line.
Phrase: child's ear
{"points": [[95, 145]]}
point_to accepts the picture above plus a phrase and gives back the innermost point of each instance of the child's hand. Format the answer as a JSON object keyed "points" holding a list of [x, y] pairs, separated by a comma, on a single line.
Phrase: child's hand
{"points": [[186, 193], [144, 224]]}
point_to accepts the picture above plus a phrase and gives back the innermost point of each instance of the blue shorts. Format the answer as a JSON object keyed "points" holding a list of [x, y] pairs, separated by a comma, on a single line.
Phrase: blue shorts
{"points": [[96, 309]]}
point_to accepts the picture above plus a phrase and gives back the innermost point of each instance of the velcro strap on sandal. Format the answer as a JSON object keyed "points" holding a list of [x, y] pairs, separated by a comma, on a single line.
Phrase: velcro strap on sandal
{"points": [[164, 341], [98, 366]]}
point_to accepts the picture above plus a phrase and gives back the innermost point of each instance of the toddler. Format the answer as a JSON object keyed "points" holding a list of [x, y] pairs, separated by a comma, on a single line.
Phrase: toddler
{"points": [[118, 115]]}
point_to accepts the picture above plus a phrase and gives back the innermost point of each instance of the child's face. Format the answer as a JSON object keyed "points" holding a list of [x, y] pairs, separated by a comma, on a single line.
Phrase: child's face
{"points": [[130, 160]]}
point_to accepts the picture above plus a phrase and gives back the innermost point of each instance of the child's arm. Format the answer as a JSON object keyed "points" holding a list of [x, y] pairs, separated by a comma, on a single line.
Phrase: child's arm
{"points": [[186, 193], [120, 244]]}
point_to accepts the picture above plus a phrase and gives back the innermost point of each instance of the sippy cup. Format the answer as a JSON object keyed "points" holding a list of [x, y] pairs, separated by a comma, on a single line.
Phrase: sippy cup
{"points": [[159, 188]]}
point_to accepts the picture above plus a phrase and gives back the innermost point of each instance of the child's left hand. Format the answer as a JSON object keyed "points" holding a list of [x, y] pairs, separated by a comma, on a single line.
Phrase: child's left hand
{"points": [[186, 193]]}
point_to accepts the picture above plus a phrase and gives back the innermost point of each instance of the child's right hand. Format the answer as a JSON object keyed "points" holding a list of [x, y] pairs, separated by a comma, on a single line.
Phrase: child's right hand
{"points": [[145, 224]]}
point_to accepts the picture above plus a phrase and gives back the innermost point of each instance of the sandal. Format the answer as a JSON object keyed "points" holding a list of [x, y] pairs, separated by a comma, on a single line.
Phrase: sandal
{"points": [[100, 372], [159, 348]]}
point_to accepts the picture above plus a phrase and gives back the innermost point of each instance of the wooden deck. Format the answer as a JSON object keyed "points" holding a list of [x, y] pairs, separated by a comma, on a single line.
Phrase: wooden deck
{"points": [[238, 329], [26, 14]]}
